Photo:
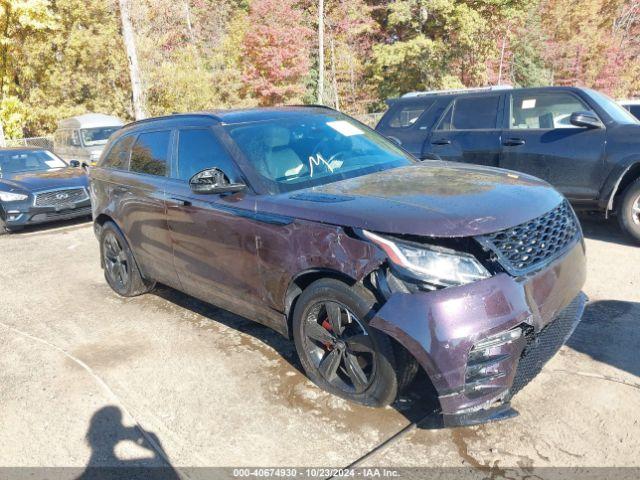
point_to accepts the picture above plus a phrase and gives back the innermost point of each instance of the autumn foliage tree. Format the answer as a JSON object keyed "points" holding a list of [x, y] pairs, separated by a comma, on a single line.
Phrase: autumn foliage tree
{"points": [[276, 52], [64, 57]]}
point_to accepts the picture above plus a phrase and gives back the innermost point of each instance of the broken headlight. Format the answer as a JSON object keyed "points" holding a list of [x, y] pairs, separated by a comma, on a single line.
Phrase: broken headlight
{"points": [[436, 266]]}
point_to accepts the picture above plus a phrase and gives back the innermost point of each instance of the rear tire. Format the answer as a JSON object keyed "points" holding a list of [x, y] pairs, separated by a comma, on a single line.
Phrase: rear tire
{"points": [[365, 369], [120, 268], [629, 210]]}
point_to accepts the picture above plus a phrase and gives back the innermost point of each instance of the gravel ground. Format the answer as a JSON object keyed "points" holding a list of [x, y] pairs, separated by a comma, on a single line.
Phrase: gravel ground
{"points": [[90, 379]]}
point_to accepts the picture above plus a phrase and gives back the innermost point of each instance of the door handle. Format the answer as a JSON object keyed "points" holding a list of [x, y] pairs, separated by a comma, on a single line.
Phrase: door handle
{"points": [[442, 141], [513, 142], [178, 202]]}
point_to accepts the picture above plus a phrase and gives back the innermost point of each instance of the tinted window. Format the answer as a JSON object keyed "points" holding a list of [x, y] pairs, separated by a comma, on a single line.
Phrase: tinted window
{"points": [[118, 156], [475, 113], [635, 109], [150, 152], [408, 115], [199, 149], [544, 110]]}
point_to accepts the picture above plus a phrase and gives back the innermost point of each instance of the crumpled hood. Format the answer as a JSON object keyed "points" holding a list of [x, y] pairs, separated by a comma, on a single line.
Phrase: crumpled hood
{"points": [[439, 199], [46, 179]]}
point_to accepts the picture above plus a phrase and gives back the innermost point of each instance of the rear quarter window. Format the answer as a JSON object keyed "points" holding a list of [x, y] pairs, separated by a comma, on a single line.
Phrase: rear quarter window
{"points": [[408, 115]]}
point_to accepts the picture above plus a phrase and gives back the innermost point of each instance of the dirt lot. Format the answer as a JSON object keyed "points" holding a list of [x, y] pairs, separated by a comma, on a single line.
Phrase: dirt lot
{"points": [[89, 378]]}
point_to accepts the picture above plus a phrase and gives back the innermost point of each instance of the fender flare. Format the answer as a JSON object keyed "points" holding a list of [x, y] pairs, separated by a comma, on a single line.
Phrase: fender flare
{"points": [[635, 163]]}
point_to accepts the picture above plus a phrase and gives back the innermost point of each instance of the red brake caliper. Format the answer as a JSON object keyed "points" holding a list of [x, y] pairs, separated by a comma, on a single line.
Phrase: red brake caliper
{"points": [[327, 326]]}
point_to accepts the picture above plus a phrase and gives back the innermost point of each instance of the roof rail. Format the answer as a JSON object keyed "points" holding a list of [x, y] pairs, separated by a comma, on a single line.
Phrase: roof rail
{"points": [[457, 90]]}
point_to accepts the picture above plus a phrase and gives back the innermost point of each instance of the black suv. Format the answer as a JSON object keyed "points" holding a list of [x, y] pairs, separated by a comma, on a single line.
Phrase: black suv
{"points": [[577, 139]]}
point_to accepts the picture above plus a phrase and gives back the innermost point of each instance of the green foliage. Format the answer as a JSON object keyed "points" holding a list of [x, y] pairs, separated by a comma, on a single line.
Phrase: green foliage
{"points": [[437, 44], [66, 57], [12, 113]]}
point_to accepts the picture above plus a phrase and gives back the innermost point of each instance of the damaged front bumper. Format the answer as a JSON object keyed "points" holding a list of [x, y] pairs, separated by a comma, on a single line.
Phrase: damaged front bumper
{"points": [[482, 342]]}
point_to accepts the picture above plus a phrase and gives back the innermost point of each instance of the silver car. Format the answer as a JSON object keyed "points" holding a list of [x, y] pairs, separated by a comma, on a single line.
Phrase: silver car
{"points": [[83, 137]]}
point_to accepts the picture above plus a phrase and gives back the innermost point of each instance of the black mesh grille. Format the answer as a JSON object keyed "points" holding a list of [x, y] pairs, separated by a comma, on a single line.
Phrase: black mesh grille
{"points": [[58, 198], [544, 345], [529, 246]]}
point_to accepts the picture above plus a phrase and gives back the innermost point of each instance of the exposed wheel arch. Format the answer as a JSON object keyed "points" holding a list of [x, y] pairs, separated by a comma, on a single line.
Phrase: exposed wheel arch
{"points": [[102, 219], [305, 278], [630, 174]]}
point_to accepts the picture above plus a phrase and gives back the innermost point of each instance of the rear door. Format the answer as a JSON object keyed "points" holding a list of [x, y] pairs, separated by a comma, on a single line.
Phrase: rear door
{"points": [[138, 194], [540, 140], [213, 235], [468, 131]]}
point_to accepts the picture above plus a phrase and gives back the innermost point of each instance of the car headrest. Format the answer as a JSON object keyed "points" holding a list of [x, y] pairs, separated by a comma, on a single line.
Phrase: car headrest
{"points": [[276, 137], [546, 120]]}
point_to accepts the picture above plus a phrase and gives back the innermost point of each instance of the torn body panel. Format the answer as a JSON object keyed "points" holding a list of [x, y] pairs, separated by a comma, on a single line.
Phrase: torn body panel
{"points": [[442, 328], [327, 248]]}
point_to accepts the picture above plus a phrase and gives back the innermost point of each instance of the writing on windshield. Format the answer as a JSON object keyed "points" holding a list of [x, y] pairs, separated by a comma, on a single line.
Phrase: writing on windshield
{"points": [[305, 150]]}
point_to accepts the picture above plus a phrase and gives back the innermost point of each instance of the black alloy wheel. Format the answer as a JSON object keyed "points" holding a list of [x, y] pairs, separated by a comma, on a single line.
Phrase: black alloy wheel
{"points": [[116, 262], [339, 347], [120, 268]]}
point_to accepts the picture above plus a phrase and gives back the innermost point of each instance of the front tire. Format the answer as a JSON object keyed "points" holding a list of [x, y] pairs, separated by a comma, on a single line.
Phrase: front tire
{"points": [[629, 210], [120, 268], [338, 350]]}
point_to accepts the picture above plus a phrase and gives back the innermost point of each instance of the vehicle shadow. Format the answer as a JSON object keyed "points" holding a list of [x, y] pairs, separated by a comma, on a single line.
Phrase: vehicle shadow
{"points": [[415, 403], [607, 230], [105, 432], [610, 333]]}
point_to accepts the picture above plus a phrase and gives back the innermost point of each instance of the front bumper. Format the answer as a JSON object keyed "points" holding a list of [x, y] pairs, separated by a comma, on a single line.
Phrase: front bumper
{"points": [[21, 214], [481, 343]]}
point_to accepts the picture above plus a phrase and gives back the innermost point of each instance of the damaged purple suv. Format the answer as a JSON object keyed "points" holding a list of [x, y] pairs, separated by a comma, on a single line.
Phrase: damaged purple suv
{"points": [[304, 220]]}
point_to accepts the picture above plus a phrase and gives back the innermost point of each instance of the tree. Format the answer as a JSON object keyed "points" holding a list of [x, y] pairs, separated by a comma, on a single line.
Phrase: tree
{"points": [[431, 44], [79, 67], [137, 92], [23, 21], [276, 52]]}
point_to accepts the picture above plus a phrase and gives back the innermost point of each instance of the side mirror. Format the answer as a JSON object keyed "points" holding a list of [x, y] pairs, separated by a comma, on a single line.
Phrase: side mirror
{"points": [[213, 180], [585, 119], [74, 163]]}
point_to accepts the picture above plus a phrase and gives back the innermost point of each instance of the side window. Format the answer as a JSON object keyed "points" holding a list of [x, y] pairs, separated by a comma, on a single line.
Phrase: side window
{"points": [[479, 113], [150, 153], [408, 115], [75, 138], [471, 113], [199, 149], [118, 156], [544, 111], [445, 123], [635, 110]]}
